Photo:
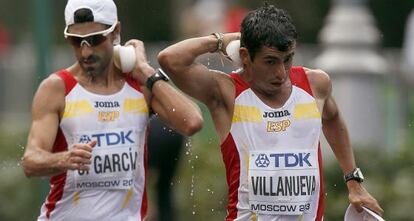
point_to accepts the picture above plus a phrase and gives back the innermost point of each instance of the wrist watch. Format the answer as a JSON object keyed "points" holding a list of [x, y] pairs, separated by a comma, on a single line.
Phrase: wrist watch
{"points": [[356, 175], [158, 75]]}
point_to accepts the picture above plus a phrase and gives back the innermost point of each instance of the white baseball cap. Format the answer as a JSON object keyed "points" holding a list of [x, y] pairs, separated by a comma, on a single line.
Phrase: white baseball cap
{"points": [[103, 11]]}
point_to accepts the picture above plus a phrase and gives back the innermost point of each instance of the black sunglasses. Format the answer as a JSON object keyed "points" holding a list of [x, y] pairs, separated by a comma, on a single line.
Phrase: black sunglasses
{"points": [[91, 39]]}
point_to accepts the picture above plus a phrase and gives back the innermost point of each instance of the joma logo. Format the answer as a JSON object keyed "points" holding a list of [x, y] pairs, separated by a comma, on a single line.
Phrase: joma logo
{"points": [[276, 114], [106, 104]]}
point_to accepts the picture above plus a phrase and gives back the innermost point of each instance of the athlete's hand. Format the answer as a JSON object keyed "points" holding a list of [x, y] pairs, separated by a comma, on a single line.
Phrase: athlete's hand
{"points": [[79, 157], [142, 68], [359, 196]]}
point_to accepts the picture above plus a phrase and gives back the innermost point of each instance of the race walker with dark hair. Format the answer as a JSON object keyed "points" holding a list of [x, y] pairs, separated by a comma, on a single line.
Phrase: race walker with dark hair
{"points": [[269, 116]]}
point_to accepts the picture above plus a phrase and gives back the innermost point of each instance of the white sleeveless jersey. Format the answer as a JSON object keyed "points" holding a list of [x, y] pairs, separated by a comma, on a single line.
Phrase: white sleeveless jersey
{"points": [[114, 187], [272, 156]]}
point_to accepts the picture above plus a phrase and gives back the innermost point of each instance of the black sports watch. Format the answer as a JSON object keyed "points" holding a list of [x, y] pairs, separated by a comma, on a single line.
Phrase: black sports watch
{"points": [[158, 75], [356, 175]]}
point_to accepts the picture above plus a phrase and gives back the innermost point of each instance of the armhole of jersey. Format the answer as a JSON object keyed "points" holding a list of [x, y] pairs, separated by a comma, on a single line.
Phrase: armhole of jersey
{"points": [[68, 79], [239, 84], [133, 83], [299, 79]]}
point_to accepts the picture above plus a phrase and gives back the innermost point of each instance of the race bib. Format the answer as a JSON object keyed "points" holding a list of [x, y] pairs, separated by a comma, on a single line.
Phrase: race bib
{"points": [[115, 158], [283, 182]]}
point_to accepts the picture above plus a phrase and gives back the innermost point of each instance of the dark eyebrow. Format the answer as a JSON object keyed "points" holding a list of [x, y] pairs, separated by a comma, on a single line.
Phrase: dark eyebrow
{"points": [[279, 58]]}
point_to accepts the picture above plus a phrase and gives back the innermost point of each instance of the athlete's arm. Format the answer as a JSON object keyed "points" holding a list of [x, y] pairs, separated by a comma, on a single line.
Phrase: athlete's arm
{"points": [[213, 88], [175, 109], [38, 159], [336, 133]]}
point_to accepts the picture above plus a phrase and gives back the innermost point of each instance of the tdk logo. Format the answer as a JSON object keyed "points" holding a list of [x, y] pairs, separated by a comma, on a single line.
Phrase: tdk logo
{"points": [[108, 139], [262, 160], [291, 159]]}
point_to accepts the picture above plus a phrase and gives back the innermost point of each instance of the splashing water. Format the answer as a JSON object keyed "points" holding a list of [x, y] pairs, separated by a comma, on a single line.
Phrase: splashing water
{"points": [[191, 159]]}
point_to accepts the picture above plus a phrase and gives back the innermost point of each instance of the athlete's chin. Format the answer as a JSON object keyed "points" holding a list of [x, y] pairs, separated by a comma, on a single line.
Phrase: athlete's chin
{"points": [[274, 89], [93, 72]]}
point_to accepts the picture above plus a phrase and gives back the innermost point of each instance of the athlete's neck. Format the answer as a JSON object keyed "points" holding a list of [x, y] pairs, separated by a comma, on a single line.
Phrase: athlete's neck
{"points": [[274, 97], [111, 81]]}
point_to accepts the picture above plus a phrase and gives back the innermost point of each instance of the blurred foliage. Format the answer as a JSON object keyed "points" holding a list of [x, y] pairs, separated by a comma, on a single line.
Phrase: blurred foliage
{"points": [[155, 21], [17, 193], [389, 179]]}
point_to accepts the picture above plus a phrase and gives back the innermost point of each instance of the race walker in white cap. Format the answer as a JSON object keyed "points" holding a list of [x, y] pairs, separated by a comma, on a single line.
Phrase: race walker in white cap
{"points": [[89, 121]]}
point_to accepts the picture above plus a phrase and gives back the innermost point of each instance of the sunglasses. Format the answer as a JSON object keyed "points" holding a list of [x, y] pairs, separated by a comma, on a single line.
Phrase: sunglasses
{"points": [[91, 39]]}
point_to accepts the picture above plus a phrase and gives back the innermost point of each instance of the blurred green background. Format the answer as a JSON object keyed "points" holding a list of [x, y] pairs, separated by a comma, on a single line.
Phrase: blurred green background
{"points": [[199, 187]]}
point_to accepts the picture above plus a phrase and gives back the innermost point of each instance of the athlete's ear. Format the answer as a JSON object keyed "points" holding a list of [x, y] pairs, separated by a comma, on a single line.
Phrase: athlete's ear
{"points": [[244, 56], [117, 34]]}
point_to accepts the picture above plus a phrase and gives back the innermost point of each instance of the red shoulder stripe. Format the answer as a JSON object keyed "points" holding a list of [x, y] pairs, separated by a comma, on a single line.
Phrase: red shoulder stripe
{"points": [[239, 83], [299, 79], [69, 80], [133, 83]]}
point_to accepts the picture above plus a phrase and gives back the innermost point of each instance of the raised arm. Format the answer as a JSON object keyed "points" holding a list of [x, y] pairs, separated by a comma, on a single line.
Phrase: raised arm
{"points": [[38, 159], [336, 134], [193, 78], [214, 88], [175, 109]]}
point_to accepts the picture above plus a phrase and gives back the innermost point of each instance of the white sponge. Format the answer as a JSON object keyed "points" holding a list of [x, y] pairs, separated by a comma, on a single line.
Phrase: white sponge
{"points": [[125, 58], [232, 51]]}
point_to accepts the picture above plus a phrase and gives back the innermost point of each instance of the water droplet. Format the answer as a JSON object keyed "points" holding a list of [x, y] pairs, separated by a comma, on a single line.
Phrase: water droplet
{"points": [[173, 109], [194, 212], [20, 146]]}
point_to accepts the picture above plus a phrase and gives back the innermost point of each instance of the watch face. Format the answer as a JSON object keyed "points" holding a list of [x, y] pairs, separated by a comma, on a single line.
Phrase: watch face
{"points": [[358, 175]]}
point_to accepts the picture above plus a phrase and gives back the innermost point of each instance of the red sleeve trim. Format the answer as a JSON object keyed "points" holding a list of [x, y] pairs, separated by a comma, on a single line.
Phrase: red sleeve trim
{"points": [[133, 83], [299, 79], [69, 80], [239, 83]]}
